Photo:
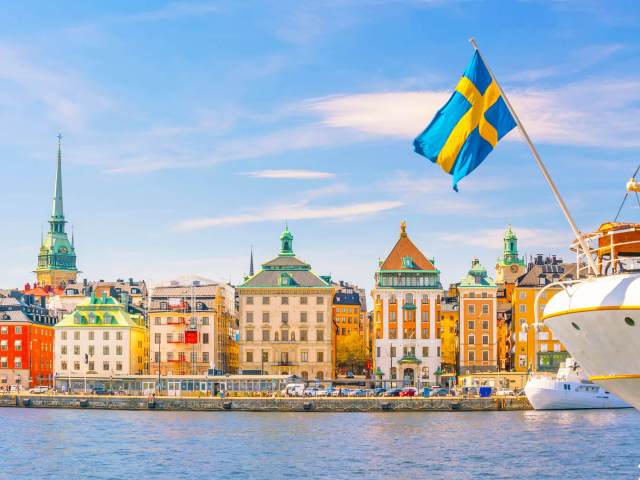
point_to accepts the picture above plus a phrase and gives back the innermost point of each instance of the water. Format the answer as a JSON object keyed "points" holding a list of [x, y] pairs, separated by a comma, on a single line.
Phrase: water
{"points": [[115, 445]]}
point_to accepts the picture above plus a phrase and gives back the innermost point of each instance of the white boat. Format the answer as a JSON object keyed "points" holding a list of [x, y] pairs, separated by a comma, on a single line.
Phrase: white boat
{"points": [[569, 390], [598, 318]]}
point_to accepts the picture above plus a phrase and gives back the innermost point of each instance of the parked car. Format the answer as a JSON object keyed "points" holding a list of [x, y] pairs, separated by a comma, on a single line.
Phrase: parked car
{"points": [[394, 392], [325, 392], [439, 392], [344, 392], [311, 392], [379, 391], [39, 389], [408, 392], [294, 390], [101, 390], [350, 375], [504, 392], [360, 392]]}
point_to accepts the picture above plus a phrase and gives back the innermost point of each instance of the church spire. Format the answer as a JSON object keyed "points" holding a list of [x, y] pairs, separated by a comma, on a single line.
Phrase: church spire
{"points": [[58, 211], [251, 272], [286, 241]]}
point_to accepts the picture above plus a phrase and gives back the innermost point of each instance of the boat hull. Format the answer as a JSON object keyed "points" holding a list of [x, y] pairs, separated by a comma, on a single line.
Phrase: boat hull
{"points": [[598, 321]]}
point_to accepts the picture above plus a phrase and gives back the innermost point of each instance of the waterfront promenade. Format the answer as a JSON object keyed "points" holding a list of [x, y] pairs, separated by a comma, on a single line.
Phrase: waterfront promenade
{"points": [[267, 404]]}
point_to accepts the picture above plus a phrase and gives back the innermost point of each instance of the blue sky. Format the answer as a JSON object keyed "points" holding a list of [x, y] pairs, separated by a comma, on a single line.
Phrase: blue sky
{"points": [[192, 130]]}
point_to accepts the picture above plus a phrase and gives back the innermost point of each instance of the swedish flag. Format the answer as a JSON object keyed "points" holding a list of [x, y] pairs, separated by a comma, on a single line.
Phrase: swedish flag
{"points": [[469, 126]]}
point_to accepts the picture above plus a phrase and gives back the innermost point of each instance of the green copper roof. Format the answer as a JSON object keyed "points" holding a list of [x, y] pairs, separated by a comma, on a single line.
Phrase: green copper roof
{"points": [[510, 250], [101, 311], [410, 358], [57, 212], [286, 240], [477, 276]]}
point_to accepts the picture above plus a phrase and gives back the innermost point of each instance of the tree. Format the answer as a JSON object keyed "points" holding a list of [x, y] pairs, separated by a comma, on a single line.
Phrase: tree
{"points": [[351, 353]]}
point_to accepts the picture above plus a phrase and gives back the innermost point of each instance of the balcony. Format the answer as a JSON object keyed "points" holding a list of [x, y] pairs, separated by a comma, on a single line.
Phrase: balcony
{"points": [[284, 363], [176, 321]]}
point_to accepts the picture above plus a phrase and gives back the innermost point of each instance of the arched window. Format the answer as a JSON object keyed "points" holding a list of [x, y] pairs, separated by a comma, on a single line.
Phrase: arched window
{"points": [[320, 376], [304, 375], [408, 298]]}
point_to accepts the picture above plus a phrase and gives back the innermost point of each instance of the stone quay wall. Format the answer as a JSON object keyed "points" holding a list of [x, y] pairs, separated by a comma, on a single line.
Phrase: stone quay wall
{"points": [[263, 404]]}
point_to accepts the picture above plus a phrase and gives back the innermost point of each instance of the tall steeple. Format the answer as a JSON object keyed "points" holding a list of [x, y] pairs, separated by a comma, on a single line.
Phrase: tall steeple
{"points": [[57, 213], [251, 271]]}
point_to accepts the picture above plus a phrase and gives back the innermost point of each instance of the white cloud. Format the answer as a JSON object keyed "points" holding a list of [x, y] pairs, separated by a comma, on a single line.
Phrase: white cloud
{"points": [[291, 212], [588, 113], [291, 174]]}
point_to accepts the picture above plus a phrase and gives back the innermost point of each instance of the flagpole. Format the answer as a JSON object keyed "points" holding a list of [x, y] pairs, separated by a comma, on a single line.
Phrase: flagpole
{"points": [[541, 165]]}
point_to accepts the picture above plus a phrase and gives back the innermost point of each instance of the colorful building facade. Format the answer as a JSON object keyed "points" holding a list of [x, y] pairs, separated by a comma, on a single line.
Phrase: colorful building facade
{"points": [[26, 342], [548, 352], [57, 257], [193, 329], [407, 296], [352, 330], [286, 318], [478, 321], [449, 320], [101, 338]]}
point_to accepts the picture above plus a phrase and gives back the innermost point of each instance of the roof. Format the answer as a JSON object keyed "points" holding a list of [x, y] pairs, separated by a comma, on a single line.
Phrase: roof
{"points": [[285, 261], [14, 316], [107, 312], [346, 298], [185, 291], [477, 277], [550, 272], [404, 248], [272, 278], [9, 302]]}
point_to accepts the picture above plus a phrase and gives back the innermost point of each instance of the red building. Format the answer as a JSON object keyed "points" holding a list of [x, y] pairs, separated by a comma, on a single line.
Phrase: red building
{"points": [[26, 342]]}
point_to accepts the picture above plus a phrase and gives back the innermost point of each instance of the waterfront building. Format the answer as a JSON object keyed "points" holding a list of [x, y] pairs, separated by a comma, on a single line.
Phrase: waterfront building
{"points": [[549, 351], [57, 256], [449, 318], [101, 338], [478, 321], [352, 344], [286, 318], [407, 296], [26, 341], [193, 328]]}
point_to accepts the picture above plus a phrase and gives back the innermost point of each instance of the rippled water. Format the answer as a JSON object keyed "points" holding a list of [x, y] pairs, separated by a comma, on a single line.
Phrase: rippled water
{"points": [[112, 444]]}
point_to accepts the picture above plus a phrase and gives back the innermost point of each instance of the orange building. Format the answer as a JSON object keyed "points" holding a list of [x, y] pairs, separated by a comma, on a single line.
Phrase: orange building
{"points": [[478, 323], [26, 343], [352, 331]]}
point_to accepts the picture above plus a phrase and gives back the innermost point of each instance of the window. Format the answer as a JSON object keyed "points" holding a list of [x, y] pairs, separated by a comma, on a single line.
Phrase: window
{"points": [[523, 308], [105, 335], [320, 317], [17, 362], [118, 335], [249, 335], [205, 320], [303, 335], [76, 335], [485, 339], [265, 300], [249, 317], [157, 321], [472, 325], [485, 324], [303, 300], [378, 352], [472, 340], [393, 333], [105, 366], [522, 337], [105, 350], [64, 335], [319, 300], [92, 350], [18, 330], [556, 347], [320, 356], [119, 366], [4, 330], [303, 317], [118, 349], [471, 308], [485, 356], [265, 317], [394, 373], [284, 335], [76, 349], [205, 338], [17, 344], [156, 358], [249, 357], [393, 317], [472, 356], [63, 350], [485, 309], [92, 366], [425, 332], [304, 356], [285, 300], [392, 352], [158, 338], [285, 317], [265, 356], [425, 351], [249, 301], [3, 363], [320, 335]]}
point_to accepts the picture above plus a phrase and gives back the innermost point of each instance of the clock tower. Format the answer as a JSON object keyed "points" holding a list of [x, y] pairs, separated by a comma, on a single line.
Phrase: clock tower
{"points": [[57, 257], [510, 266]]}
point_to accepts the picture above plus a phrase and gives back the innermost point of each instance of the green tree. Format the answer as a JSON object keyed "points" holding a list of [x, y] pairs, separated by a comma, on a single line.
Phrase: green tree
{"points": [[351, 353]]}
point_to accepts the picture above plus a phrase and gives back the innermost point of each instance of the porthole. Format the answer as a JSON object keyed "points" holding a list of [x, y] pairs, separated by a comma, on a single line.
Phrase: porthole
{"points": [[575, 325], [629, 321]]}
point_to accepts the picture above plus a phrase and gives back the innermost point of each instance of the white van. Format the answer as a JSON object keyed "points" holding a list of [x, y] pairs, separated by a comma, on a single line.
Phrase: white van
{"points": [[294, 390]]}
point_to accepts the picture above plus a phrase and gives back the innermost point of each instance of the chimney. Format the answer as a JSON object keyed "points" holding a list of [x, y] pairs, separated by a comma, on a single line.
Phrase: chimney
{"points": [[124, 298], [130, 281], [539, 259]]}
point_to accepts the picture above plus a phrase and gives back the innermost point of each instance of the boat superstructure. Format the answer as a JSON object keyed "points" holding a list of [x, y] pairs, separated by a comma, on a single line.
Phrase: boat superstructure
{"points": [[569, 390], [597, 316]]}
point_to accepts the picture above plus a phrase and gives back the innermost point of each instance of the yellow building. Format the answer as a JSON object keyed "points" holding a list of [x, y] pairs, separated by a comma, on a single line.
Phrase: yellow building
{"points": [[352, 343], [550, 352], [449, 316]]}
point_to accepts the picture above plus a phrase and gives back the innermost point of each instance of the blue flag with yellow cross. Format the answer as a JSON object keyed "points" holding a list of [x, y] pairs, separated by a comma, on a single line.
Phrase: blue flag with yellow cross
{"points": [[468, 127]]}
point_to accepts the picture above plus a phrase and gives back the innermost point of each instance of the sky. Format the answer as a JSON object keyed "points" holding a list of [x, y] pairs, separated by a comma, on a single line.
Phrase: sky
{"points": [[193, 130]]}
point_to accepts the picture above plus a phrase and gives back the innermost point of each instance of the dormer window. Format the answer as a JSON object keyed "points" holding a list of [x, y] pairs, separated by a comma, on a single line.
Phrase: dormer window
{"points": [[407, 262], [93, 318], [285, 280], [77, 319], [542, 280]]}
